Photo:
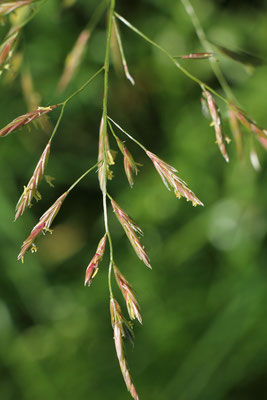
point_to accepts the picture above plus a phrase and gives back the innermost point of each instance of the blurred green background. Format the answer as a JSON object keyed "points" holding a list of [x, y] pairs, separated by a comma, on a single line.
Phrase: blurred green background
{"points": [[204, 309]]}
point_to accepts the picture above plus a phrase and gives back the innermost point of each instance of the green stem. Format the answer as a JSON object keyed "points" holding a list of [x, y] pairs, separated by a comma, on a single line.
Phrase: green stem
{"points": [[58, 122], [64, 103], [83, 86], [205, 43], [129, 136], [175, 62], [83, 175], [104, 116]]}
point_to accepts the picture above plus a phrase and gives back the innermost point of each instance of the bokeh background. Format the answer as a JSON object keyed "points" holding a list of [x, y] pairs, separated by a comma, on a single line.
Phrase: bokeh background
{"points": [[204, 303]]}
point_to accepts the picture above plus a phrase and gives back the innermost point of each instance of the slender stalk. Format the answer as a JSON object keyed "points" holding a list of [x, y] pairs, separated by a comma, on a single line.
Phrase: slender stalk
{"points": [[205, 43], [104, 116], [83, 86], [129, 136], [83, 175], [175, 62], [58, 122], [64, 103]]}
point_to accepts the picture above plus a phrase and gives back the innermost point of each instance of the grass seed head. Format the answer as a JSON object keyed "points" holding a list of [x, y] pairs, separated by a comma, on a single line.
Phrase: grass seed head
{"points": [[169, 178], [42, 226], [92, 268], [131, 229], [216, 119], [128, 294], [30, 191], [25, 119], [8, 7]]}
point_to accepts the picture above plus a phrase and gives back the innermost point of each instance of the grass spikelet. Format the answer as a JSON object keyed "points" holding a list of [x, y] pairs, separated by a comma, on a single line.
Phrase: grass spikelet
{"points": [[122, 361], [196, 56], [25, 119], [121, 329], [236, 131], [128, 294], [131, 229], [42, 226], [169, 177], [30, 190], [8, 7], [130, 166], [216, 120], [110, 158], [92, 268], [7, 48]]}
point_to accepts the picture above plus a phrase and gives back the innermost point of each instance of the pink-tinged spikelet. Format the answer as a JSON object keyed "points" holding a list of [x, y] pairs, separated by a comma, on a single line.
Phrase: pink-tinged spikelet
{"points": [[31, 190], [26, 119], [216, 120], [131, 229], [121, 329], [169, 177], [7, 48], [196, 56], [130, 166], [92, 268], [236, 131], [251, 125], [103, 148], [8, 7], [43, 226], [128, 294]]}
